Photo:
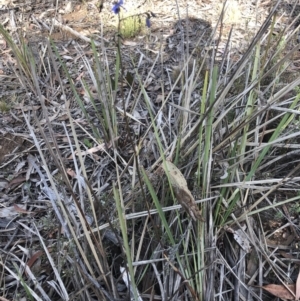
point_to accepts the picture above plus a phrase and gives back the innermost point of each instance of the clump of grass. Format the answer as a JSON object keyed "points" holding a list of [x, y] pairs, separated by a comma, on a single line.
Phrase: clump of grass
{"points": [[4, 107], [131, 26], [222, 143]]}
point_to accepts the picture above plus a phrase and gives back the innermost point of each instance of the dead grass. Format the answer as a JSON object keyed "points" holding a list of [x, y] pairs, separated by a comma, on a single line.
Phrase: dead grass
{"points": [[93, 211]]}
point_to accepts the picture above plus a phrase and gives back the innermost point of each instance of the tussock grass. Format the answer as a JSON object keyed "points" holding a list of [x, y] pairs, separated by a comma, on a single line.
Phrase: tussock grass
{"points": [[118, 229]]}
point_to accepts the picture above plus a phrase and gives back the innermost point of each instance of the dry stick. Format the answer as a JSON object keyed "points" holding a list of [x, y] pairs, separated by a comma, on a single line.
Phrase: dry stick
{"points": [[75, 33]]}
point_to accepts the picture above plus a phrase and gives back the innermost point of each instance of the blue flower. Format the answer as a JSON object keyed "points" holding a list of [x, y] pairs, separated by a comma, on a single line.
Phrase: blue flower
{"points": [[149, 15], [148, 22], [117, 6]]}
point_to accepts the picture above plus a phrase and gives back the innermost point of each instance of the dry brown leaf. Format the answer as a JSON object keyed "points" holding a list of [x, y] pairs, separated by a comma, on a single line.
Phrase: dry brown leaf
{"points": [[26, 108], [129, 43], [281, 291], [16, 182], [100, 147], [298, 287], [35, 261], [159, 98], [182, 193], [71, 173], [22, 210], [11, 211]]}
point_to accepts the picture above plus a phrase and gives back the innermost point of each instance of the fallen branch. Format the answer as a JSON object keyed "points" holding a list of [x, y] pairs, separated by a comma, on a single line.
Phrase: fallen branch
{"points": [[73, 32]]}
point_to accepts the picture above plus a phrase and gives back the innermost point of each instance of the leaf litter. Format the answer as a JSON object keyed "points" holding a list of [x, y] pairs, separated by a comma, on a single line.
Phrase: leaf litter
{"points": [[16, 199]]}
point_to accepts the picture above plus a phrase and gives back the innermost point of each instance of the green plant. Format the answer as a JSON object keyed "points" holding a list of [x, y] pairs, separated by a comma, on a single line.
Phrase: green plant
{"points": [[131, 26], [4, 107], [87, 143]]}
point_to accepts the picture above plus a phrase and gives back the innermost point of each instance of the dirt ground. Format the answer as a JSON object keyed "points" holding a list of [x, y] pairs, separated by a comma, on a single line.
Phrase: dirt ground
{"points": [[190, 26]]}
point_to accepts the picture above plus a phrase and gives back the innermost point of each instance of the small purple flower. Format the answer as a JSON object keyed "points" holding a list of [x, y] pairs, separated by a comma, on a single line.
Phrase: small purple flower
{"points": [[149, 15], [117, 6], [148, 22]]}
